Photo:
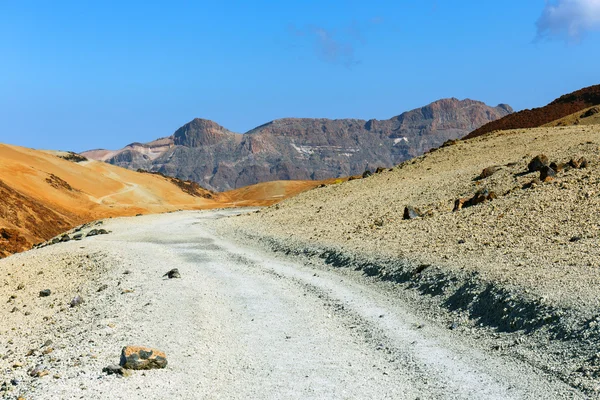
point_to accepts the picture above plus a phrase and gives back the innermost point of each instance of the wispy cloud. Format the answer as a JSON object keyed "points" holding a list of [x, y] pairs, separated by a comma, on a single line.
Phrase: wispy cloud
{"points": [[335, 46], [568, 19]]}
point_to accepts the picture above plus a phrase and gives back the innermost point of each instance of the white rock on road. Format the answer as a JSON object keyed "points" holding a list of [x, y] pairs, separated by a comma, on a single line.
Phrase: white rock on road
{"points": [[244, 324]]}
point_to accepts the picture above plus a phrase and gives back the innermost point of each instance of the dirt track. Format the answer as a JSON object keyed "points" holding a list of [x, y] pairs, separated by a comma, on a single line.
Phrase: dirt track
{"points": [[241, 323]]}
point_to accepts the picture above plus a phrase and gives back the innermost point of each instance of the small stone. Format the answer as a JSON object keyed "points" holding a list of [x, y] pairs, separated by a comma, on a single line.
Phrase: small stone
{"points": [[113, 370], [78, 236], [47, 343], [93, 232], [20, 286], [45, 293], [174, 273], [141, 358], [77, 300], [487, 172], [379, 170], [547, 172], [65, 238], [575, 239], [48, 350], [366, 174], [38, 371], [411, 213], [537, 163], [102, 288]]}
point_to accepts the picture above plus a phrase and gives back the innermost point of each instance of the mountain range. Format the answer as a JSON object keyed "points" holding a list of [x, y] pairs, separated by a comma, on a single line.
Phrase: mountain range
{"points": [[300, 148]]}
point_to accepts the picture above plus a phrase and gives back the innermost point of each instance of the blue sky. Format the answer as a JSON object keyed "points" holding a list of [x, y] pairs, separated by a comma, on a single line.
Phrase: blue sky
{"points": [[76, 75]]}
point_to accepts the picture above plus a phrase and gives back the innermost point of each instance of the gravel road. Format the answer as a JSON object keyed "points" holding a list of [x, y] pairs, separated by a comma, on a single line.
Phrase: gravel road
{"points": [[241, 324]]}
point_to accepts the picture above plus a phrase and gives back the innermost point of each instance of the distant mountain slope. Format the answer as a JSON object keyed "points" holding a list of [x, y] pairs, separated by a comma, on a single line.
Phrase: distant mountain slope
{"points": [[43, 194], [559, 108], [301, 149]]}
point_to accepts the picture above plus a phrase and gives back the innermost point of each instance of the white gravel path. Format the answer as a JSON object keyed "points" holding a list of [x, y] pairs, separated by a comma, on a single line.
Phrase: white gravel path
{"points": [[239, 324]]}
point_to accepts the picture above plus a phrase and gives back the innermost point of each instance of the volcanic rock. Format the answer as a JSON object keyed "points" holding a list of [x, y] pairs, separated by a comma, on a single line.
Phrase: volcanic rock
{"points": [[137, 357], [537, 163]]}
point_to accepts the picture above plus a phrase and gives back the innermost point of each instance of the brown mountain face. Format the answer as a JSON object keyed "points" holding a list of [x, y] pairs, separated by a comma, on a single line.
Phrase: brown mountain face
{"points": [[559, 108], [301, 149]]}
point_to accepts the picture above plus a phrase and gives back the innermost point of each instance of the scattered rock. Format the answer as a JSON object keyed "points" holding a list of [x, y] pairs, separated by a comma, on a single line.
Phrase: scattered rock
{"points": [[48, 350], [379, 170], [487, 172], [93, 232], [141, 358], [115, 370], [77, 300], [479, 197], [78, 236], [65, 238], [174, 273], [20, 286], [575, 239], [547, 174], [45, 293], [412, 212], [366, 174], [102, 288], [38, 371], [537, 163], [47, 343]]}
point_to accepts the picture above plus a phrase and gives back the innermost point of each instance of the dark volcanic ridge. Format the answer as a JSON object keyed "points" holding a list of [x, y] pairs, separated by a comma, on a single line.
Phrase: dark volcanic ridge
{"points": [[537, 117], [301, 148]]}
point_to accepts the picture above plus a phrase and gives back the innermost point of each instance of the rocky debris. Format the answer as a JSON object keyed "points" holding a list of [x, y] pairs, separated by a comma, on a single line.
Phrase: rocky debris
{"points": [[102, 288], [547, 174], [45, 293], [174, 273], [142, 358], [96, 232], [367, 174], [577, 164], [78, 236], [115, 370], [487, 172], [76, 301], [411, 213], [537, 163], [380, 170], [479, 197], [38, 371], [65, 238]]}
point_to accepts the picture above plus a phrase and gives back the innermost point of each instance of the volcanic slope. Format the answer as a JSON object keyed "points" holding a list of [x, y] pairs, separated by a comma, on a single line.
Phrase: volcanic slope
{"points": [[43, 194], [559, 108], [526, 262], [301, 148]]}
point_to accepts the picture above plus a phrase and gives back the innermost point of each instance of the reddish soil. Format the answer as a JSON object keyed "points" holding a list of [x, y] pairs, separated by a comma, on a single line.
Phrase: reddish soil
{"points": [[559, 108]]}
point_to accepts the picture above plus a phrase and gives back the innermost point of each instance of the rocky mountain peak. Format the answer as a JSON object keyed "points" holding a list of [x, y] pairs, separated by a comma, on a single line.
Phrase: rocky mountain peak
{"points": [[201, 132]]}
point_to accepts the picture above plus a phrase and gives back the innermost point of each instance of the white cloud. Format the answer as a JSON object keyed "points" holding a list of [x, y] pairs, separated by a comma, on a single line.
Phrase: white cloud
{"points": [[568, 19]]}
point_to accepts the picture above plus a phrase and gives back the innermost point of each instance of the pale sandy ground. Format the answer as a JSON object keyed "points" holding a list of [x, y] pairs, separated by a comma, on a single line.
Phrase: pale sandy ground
{"points": [[515, 251], [239, 324]]}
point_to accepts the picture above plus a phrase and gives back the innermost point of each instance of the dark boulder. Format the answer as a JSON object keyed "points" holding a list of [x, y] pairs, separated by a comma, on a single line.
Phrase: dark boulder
{"points": [[537, 163]]}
